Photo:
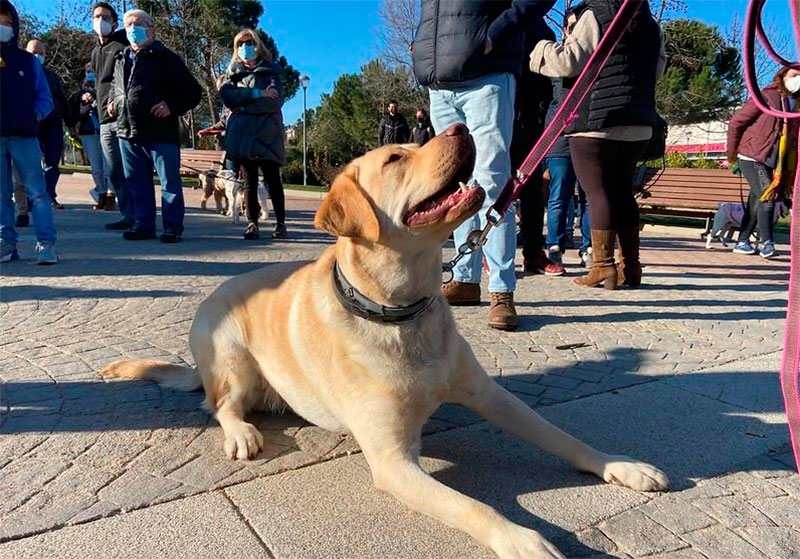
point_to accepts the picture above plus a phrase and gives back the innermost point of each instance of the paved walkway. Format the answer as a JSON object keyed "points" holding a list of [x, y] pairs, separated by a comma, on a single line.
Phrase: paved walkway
{"points": [[681, 373]]}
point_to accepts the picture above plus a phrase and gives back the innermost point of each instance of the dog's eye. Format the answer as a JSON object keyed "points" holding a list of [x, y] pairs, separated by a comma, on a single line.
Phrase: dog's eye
{"points": [[394, 157]]}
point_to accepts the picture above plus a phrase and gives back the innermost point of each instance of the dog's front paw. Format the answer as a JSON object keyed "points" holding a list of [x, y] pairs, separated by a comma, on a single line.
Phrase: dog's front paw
{"points": [[516, 542], [625, 471], [242, 441]]}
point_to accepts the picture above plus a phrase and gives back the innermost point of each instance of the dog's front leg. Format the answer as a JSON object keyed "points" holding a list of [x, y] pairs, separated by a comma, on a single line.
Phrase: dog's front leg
{"points": [[501, 407], [397, 472]]}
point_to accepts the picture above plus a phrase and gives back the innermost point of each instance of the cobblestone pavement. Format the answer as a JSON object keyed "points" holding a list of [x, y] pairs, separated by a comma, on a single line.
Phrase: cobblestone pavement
{"points": [[682, 370]]}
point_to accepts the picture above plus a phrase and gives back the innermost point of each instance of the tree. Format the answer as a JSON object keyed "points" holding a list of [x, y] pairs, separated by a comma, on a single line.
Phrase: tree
{"points": [[399, 20], [703, 79]]}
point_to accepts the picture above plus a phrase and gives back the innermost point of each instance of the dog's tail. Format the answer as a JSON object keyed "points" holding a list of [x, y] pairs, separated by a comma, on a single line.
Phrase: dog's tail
{"points": [[169, 375]]}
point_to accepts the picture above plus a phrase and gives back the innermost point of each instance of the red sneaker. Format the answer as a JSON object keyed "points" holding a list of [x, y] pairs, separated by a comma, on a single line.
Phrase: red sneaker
{"points": [[540, 264]]}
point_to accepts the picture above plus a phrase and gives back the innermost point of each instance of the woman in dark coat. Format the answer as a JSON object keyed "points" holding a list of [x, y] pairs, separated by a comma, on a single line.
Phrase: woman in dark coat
{"points": [[754, 143], [253, 91]]}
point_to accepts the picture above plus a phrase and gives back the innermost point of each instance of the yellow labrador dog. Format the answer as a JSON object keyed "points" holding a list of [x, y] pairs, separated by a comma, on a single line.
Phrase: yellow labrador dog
{"points": [[362, 341]]}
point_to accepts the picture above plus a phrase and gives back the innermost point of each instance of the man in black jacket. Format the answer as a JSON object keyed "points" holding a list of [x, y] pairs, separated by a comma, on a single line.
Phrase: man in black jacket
{"points": [[110, 42], [147, 103], [469, 53], [393, 128]]}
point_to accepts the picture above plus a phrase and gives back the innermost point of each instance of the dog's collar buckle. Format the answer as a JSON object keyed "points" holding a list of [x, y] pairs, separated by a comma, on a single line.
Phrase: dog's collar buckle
{"points": [[360, 305]]}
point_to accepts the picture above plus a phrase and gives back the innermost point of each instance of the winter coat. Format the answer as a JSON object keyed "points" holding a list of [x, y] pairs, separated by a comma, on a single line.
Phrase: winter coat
{"points": [[753, 133], [561, 146], [61, 109], [393, 130], [157, 74], [103, 62], [451, 38], [422, 133], [25, 97], [254, 131], [89, 122]]}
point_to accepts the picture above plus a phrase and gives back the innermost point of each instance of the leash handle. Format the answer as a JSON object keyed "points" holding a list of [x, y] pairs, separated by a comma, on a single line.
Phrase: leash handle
{"points": [[568, 110]]}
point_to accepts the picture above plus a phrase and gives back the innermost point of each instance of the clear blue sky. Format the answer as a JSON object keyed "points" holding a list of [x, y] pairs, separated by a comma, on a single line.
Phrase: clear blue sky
{"points": [[327, 38]]}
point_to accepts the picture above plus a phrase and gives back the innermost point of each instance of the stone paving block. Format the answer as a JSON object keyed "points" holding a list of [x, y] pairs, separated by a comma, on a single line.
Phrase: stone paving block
{"points": [[676, 516], [635, 533], [783, 511], [733, 512], [774, 542], [162, 459], [680, 554], [134, 490], [203, 527], [747, 486], [23, 478], [100, 509], [718, 542], [790, 484], [205, 471], [317, 441]]}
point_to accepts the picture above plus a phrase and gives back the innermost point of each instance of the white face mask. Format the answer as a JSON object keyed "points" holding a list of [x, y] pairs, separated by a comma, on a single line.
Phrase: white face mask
{"points": [[6, 32], [792, 84], [101, 27]]}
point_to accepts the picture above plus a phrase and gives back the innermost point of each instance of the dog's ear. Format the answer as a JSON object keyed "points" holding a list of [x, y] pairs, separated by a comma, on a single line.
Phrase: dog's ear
{"points": [[347, 212]]}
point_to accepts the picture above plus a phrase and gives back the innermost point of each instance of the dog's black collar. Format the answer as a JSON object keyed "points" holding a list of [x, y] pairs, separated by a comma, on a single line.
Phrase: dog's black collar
{"points": [[358, 304]]}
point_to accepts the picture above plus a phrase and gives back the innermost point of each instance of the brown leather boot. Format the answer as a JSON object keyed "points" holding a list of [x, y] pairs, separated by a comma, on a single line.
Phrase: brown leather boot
{"points": [[603, 270], [502, 314], [461, 293], [629, 269]]}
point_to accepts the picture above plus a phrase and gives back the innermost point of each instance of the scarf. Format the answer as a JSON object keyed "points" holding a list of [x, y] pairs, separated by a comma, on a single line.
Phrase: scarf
{"points": [[783, 175]]}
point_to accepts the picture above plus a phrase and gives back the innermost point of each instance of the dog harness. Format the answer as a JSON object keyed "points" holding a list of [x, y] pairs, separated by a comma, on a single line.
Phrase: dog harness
{"points": [[362, 306]]}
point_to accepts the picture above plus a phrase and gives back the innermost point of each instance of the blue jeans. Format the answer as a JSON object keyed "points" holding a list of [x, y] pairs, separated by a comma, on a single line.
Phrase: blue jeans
{"points": [[586, 226], [94, 153], [112, 160], [139, 158], [562, 188], [51, 141], [26, 157], [486, 106]]}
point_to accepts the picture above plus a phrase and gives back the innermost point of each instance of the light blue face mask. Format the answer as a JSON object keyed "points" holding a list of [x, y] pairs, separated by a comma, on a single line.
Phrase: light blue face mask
{"points": [[247, 52], [6, 33], [137, 35]]}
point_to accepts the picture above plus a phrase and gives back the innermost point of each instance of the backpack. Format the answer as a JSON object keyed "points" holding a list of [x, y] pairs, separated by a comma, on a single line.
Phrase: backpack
{"points": [[657, 145]]}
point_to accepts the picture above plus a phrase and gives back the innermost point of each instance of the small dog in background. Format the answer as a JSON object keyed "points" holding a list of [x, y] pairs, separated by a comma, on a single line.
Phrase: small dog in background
{"points": [[240, 202], [729, 218], [228, 192], [213, 187]]}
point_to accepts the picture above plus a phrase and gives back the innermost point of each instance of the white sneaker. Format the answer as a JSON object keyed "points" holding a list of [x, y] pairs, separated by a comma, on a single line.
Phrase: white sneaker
{"points": [[554, 255], [586, 258], [46, 253]]}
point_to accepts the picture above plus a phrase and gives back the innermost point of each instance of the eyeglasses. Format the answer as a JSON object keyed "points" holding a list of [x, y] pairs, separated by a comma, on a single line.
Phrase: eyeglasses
{"points": [[248, 42]]}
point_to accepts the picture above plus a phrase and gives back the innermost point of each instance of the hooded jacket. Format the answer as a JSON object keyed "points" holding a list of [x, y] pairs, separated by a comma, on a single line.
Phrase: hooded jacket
{"points": [[753, 133], [254, 131], [144, 79], [103, 60], [24, 95]]}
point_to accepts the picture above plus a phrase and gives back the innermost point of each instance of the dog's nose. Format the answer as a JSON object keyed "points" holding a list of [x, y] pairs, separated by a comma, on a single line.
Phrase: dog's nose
{"points": [[457, 129]]}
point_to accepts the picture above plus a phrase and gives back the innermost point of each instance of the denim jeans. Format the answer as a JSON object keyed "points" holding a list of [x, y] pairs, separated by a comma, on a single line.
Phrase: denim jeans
{"points": [[112, 159], [26, 157], [562, 188], [759, 214], [94, 153], [139, 158], [586, 225], [51, 141], [486, 106]]}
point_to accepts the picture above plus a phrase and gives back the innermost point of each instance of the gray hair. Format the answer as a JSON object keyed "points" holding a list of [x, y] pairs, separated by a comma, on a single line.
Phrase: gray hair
{"points": [[141, 15]]}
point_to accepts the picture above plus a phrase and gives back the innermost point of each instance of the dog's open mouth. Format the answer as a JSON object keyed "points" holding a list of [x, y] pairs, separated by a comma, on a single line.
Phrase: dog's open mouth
{"points": [[454, 200]]}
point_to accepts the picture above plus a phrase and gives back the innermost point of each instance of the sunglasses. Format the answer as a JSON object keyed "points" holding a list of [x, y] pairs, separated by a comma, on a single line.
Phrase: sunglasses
{"points": [[248, 42]]}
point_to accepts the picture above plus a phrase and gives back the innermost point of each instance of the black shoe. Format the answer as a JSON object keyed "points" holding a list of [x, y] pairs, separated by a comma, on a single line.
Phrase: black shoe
{"points": [[121, 225], [251, 233], [57, 205], [23, 220], [170, 236], [280, 231], [138, 235]]}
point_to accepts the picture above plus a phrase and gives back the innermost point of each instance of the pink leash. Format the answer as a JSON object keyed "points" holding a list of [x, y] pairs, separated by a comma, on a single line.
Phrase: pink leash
{"points": [[790, 364]]}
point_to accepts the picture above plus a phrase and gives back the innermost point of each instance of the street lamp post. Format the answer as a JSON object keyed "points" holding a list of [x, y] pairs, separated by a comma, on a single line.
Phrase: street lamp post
{"points": [[304, 81]]}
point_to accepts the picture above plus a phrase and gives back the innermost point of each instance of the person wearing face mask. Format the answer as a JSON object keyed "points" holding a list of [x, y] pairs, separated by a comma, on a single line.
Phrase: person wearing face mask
{"points": [[765, 150], [51, 131], [111, 41], [85, 124], [252, 89], [423, 131], [25, 101], [152, 87]]}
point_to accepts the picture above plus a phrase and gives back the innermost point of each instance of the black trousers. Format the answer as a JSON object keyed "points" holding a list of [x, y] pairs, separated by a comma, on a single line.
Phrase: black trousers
{"points": [[605, 169], [759, 214], [272, 176]]}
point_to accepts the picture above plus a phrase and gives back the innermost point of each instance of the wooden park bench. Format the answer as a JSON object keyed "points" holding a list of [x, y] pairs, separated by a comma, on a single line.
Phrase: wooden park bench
{"points": [[692, 193], [196, 161]]}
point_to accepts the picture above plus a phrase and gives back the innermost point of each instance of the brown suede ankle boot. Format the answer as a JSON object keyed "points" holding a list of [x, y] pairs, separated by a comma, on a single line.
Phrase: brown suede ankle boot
{"points": [[502, 314], [603, 270], [629, 269], [461, 293]]}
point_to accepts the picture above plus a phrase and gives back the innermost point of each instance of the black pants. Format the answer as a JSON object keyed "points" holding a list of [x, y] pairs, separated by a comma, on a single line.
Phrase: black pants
{"points": [[531, 198], [759, 214], [606, 169], [272, 176]]}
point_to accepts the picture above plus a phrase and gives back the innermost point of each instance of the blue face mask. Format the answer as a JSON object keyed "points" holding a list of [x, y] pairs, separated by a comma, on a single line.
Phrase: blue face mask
{"points": [[89, 76], [247, 52], [137, 35]]}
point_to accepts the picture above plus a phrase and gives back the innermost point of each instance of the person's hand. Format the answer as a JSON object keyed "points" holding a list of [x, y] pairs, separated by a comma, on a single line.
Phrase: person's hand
{"points": [[488, 48], [735, 169], [111, 110], [161, 110], [270, 93]]}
